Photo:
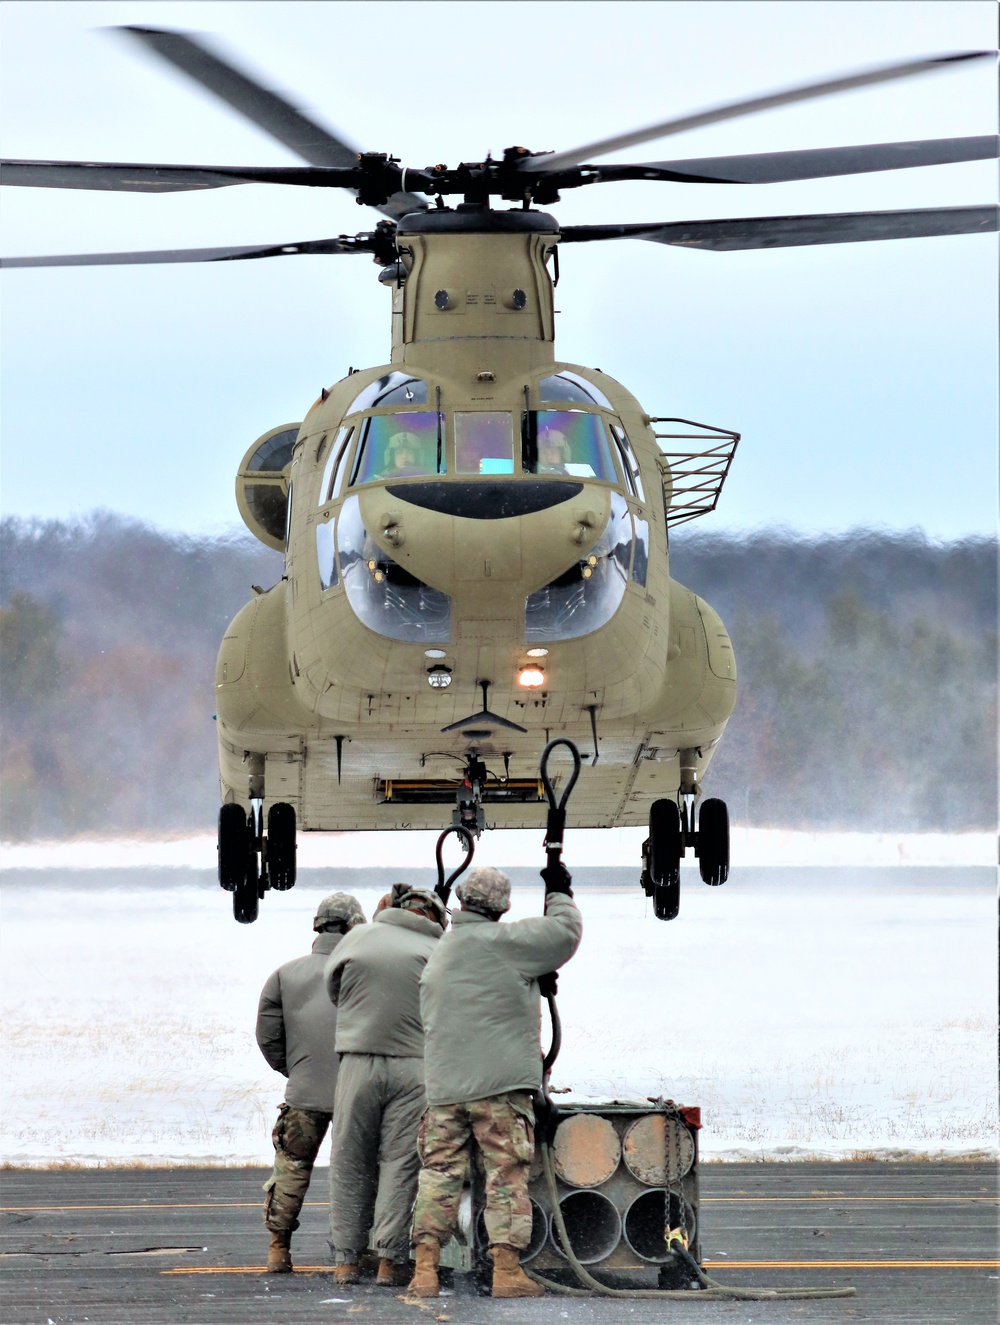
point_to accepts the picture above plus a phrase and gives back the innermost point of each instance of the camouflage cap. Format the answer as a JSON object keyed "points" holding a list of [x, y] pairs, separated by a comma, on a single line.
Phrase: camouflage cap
{"points": [[485, 889], [419, 899], [339, 906]]}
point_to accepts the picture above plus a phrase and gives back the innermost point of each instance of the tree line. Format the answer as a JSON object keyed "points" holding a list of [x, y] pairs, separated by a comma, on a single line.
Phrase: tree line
{"points": [[867, 665]]}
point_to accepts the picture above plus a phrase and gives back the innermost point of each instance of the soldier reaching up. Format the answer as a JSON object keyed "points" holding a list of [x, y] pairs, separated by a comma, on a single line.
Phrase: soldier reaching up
{"points": [[480, 1006], [296, 1025]]}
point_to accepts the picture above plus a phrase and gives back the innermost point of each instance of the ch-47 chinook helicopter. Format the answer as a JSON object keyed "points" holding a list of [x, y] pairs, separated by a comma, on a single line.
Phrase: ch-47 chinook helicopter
{"points": [[476, 533]]}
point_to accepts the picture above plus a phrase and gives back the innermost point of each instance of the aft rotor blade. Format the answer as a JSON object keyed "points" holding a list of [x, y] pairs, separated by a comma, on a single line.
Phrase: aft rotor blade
{"points": [[789, 231], [815, 163], [263, 106], [737, 109], [344, 244], [125, 177]]}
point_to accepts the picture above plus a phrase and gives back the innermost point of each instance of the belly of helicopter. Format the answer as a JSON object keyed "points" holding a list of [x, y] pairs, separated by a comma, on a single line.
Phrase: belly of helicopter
{"points": [[354, 736]]}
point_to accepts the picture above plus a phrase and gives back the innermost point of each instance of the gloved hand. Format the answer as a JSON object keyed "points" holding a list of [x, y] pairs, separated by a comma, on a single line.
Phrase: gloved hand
{"points": [[548, 984], [557, 879]]}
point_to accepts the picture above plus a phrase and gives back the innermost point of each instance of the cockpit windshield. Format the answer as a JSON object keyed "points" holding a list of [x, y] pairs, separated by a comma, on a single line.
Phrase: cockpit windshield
{"points": [[398, 446], [566, 442]]}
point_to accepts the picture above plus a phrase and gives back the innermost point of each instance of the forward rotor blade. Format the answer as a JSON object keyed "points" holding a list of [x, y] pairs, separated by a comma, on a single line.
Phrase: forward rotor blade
{"points": [[790, 231], [265, 108], [736, 109], [815, 163], [344, 244], [124, 177]]}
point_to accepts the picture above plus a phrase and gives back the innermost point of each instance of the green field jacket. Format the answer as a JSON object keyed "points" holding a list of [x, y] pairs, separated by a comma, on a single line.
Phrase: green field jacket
{"points": [[374, 976], [480, 1004], [297, 1025]]}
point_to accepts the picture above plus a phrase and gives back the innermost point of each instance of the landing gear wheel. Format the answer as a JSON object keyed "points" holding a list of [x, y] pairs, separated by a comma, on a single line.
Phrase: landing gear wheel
{"points": [[281, 846], [713, 842], [666, 847], [234, 844], [667, 899], [246, 895]]}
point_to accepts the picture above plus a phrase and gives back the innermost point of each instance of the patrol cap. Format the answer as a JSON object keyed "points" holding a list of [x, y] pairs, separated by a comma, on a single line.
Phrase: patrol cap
{"points": [[485, 889], [339, 906], [419, 899]]}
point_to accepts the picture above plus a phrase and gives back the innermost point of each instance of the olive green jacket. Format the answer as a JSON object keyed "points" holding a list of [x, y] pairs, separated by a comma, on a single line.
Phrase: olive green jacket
{"points": [[480, 1004], [296, 1026], [373, 977]]}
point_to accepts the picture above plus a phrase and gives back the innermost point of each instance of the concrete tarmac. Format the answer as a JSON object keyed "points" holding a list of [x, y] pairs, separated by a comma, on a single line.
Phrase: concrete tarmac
{"points": [[186, 1247]]}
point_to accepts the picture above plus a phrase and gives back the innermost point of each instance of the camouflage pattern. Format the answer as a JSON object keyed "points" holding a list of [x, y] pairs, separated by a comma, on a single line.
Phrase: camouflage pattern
{"points": [[339, 906], [418, 899], [485, 889], [502, 1129], [297, 1136]]}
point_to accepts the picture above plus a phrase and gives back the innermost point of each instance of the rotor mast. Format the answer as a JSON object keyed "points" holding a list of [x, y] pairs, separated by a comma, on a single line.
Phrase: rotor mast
{"points": [[472, 282]]}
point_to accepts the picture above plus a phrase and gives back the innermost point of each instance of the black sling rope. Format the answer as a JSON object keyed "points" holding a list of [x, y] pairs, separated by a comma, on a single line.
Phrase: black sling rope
{"points": [[443, 886]]}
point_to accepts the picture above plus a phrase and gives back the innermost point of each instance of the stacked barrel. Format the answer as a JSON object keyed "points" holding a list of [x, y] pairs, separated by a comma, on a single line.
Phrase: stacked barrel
{"points": [[625, 1173]]}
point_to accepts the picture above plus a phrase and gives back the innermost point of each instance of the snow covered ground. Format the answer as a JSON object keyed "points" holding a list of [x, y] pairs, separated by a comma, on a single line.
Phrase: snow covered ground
{"points": [[808, 1016]]}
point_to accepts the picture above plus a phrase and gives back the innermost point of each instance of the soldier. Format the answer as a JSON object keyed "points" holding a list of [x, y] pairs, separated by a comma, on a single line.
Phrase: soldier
{"points": [[480, 1006], [296, 1026], [373, 977]]}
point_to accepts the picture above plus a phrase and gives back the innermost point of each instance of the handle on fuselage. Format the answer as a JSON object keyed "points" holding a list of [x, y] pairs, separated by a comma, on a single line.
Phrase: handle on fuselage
{"points": [[556, 822], [443, 886]]}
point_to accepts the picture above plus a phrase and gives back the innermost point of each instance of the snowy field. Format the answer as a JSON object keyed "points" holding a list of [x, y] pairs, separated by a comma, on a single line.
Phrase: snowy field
{"points": [[810, 1013]]}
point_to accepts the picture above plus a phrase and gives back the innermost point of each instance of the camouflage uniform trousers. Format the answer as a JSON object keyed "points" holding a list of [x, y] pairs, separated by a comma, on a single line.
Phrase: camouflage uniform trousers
{"points": [[502, 1129], [297, 1136]]}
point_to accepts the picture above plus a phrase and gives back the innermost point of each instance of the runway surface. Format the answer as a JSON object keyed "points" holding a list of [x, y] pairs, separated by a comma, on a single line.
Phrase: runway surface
{"points": [[186, 1247]]}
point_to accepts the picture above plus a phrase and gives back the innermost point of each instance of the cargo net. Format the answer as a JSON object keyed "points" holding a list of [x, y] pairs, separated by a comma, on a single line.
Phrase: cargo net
{"points": [[696, 469]]}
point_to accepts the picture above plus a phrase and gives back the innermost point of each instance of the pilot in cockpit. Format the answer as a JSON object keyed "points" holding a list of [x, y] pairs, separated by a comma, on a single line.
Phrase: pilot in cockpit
{"points": [[403, 456], [553, 452]]}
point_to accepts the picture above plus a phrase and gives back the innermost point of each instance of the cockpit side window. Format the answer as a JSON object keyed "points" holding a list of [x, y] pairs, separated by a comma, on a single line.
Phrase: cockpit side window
{"points": [[397, 446], [629, 463], [484, 442], [566, 442], [333, 473]]}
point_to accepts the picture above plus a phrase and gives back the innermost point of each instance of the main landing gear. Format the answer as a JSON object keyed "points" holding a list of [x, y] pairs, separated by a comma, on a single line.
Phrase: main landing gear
{"points": [[251, 861], [673, 827]]}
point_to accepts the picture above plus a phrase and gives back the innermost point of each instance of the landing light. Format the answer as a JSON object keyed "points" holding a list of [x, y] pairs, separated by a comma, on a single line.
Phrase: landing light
{"points": [[439, 677], [531, 677]]}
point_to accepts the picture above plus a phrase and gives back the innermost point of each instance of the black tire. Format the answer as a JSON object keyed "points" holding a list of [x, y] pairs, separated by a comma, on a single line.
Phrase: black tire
{"points": [[234, 844], [666, 846], [667, 898], [281, 846], [246, 896], [713, 842]]}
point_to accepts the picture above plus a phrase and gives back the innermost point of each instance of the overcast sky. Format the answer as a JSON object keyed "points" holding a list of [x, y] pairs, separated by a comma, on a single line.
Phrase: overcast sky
{"points": [[862, 376]]}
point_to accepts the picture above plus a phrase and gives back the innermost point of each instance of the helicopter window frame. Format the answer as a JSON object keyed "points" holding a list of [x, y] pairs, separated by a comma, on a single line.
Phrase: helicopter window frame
{"points": [[604, 454], [630, 463], [578, 390], [471, 446], [326, 555], [364, 429], [378, 393], [333, 472]]}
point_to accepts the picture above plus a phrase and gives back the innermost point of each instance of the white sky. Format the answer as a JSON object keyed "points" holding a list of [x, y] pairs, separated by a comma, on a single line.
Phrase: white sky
{"points": [[862, 376]]}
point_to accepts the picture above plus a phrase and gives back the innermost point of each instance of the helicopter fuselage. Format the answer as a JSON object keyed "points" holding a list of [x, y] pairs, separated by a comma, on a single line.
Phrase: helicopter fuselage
{"points": [[476, 559]]}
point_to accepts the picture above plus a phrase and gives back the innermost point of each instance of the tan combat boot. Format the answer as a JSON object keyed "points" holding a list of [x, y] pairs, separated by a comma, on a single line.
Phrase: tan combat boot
{"points": [[509, 1280], [427, 1254], [346, 1273], [391, 1274], [279, 1254]]}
